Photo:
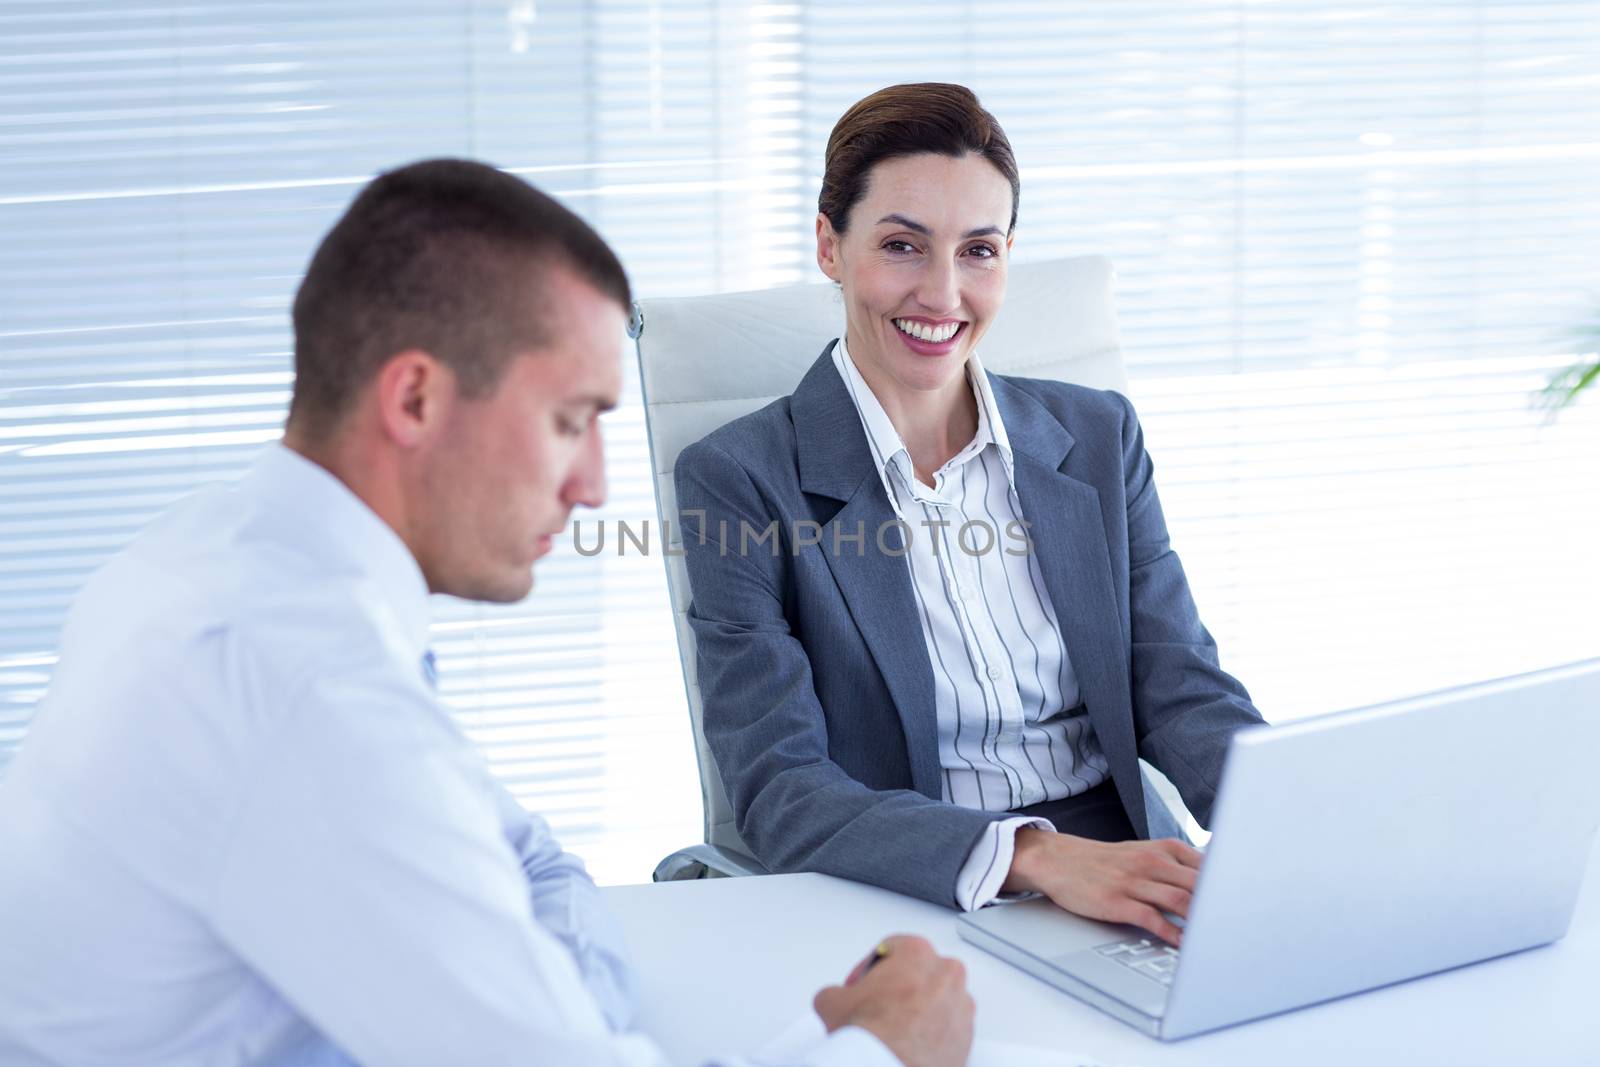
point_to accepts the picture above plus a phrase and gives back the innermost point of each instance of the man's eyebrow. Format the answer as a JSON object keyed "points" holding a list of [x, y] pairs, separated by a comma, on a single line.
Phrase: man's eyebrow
{"points": [[917, 227], [601, 404]]}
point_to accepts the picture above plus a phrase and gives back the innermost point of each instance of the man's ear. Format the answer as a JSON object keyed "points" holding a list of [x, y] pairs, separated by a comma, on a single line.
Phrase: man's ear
{"points": [[827, 247], [413, 391]]}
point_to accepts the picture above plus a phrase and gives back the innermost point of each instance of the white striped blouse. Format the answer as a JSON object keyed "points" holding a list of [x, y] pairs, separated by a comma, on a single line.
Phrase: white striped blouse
{"points": [[1012, 731]]}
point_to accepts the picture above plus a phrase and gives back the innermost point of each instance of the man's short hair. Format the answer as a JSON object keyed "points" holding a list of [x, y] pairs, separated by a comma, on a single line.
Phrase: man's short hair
{"points": [[446, 256]]}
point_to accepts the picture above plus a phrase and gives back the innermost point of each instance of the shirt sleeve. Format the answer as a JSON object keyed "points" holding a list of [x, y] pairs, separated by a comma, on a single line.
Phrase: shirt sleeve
{"points": [[990, 861], [404, 904], [849, 1047], [567, 904], [806, 1043], [368, 878]]}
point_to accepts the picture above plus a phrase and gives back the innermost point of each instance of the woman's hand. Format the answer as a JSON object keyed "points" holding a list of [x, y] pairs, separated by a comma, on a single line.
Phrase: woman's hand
{"points": [[1123, 882]]}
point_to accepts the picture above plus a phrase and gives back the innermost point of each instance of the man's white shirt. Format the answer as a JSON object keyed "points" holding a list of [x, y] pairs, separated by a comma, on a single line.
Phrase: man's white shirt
{"points": [[242, 830], [1011, 729]]}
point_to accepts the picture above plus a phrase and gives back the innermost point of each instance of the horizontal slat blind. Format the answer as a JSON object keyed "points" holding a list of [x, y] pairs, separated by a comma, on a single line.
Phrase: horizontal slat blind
{"points": [[1352, 241], [167, 171]]}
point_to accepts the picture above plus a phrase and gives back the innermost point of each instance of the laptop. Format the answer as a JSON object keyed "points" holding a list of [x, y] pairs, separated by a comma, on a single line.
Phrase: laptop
{"points": [[1351, 851]]}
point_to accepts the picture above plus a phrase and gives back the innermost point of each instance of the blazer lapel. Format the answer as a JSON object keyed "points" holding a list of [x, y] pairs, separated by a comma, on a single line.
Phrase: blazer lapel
{"points": [[836, 463], [1068, 532]]}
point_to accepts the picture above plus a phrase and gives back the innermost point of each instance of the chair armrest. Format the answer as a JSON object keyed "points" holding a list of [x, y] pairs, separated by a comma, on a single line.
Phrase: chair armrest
{"points": [[705, 861], [1164, 808]]}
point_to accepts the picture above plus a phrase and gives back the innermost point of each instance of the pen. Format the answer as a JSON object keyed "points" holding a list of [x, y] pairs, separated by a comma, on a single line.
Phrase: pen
{"points": [[867, 964]]}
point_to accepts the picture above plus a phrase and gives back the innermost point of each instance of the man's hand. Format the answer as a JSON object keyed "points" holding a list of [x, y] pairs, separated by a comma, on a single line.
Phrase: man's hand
{"points": [[912, 1000], [1123, 882]]}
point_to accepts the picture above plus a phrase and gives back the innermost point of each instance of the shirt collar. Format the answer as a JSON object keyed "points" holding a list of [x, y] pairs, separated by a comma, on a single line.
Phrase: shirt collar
{"points": [[885, 440], [316, 512]]}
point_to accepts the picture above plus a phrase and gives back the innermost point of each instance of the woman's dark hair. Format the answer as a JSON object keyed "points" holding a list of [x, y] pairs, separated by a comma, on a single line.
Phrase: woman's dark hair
{"points": [[907, 120]]}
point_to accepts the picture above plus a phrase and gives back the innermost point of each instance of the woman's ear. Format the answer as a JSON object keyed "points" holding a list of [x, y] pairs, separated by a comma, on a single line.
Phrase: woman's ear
{"points": [[827, 247]]}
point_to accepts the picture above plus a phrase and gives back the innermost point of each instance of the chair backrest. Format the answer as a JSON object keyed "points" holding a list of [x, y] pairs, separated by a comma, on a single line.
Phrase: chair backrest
{"points": [[706, 360]]}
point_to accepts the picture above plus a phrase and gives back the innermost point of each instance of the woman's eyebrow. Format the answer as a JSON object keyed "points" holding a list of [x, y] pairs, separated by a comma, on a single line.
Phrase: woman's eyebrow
{"points": [[901, 220], [917, 227]]}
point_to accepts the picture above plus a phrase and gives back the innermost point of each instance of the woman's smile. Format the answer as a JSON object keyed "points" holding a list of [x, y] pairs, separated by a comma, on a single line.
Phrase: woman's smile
{"points": [[930, 337]]}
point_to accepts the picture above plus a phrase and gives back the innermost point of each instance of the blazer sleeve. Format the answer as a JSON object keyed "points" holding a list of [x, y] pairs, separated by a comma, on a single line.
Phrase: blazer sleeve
{"points": [[1185, 705], [796, 807]]}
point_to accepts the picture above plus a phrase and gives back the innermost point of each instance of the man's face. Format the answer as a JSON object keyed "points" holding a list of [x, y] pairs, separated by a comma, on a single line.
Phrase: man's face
{"points": [[509, 467]]}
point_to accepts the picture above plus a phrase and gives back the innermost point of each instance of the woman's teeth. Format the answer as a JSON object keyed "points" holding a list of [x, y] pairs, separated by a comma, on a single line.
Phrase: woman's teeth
{"points": [[923, 332]]}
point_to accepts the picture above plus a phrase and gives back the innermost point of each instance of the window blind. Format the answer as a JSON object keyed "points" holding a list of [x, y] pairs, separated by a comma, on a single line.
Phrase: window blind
{"points": [[1352, 242], [168, 170]]}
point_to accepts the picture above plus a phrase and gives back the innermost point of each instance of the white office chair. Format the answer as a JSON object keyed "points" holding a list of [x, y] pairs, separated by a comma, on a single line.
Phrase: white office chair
{"points": [[707, 360]]}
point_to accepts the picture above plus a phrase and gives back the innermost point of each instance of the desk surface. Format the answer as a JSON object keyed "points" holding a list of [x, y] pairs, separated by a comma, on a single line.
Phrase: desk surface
{"points": [[728, 963]]}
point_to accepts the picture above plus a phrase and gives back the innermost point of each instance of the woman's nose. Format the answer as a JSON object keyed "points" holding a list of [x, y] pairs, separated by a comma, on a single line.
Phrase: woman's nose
{"points": [[939, 291]]}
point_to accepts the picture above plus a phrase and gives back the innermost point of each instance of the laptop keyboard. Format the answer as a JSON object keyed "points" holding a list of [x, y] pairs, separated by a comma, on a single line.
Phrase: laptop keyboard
{"points": [[1156, 960]]}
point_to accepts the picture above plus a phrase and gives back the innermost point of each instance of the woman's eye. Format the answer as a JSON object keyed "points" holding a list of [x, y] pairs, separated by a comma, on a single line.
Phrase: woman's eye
{"points": [[898, 246], [983, 251], [569, 428]]}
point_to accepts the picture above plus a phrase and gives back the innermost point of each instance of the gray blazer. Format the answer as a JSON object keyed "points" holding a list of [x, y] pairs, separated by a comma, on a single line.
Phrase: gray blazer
{"points": [[818, 691]]}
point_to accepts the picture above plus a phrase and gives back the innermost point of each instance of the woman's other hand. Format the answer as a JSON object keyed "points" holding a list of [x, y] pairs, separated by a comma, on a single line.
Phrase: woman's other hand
{"points": [[1133, 882]]}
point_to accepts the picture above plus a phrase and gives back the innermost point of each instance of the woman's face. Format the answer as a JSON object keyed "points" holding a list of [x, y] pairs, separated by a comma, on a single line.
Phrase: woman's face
{"points": [[923, 267]]}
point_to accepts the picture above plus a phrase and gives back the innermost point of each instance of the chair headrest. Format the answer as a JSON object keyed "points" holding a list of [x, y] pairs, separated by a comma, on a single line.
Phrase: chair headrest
{"points": [[1058, 322]]}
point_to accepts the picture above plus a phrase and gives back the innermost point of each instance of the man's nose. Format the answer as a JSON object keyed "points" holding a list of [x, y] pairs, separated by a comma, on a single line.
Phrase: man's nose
{"points": [[586, 484]]}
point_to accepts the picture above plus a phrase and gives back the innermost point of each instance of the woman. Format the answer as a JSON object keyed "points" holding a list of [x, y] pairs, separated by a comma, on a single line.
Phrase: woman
{"points": [[939, 676]]}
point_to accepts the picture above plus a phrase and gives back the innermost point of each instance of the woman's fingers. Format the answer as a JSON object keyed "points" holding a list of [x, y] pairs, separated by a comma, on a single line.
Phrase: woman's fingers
{"points": [[1148, 918], [1184, 853], [1178, 874], [1169, 898]]}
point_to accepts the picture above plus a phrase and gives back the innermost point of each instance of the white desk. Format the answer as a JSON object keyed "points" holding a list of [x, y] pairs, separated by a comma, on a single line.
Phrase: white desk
{"points": [[727, 963]]}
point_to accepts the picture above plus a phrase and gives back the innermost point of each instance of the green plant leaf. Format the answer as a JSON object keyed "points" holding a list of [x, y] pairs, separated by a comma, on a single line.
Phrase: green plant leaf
{"points": [[1565, 386]]}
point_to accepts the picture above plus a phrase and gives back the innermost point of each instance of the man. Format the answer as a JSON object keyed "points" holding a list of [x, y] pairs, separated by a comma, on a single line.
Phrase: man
{"points": [[242, 830]]}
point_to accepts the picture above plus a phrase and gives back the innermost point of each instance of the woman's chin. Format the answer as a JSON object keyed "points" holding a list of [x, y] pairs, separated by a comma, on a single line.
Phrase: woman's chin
{"points": [[931, 373]]}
